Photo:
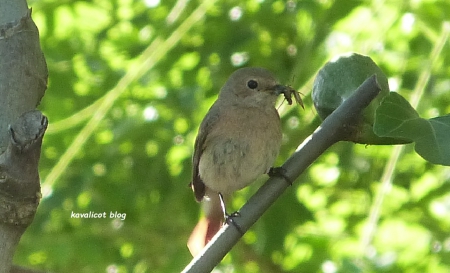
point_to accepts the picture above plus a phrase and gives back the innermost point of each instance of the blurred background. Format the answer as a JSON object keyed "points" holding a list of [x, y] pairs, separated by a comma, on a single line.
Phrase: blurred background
{"points": [[130, 81]]}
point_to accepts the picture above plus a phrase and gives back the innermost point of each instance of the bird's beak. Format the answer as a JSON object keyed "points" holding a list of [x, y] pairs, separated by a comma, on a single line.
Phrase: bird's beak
{"points": [[288, 92], [282, 89]]}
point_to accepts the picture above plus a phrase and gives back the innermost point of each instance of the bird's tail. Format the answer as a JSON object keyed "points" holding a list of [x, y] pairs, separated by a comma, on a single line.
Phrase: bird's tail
{"points": [[208, 225]]}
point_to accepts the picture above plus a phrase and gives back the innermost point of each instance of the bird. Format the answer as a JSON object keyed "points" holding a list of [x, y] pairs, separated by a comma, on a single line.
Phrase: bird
{"points": [[238, 140]]}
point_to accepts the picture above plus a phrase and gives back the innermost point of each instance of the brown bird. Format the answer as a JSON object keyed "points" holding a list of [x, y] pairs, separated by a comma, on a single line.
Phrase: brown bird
{"points": [[238, 141]]}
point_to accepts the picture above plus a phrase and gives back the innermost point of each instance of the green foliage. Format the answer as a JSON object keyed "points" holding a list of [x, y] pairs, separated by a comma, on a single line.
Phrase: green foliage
{"points": [[339, 78], [131, 80], [396, 118]]}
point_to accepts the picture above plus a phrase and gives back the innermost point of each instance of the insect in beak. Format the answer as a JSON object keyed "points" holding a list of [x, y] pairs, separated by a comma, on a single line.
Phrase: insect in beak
{"points": [[288, 92]]}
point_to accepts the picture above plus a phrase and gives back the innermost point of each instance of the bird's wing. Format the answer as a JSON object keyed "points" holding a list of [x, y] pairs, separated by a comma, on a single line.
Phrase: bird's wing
{"points": [[206, 126]]}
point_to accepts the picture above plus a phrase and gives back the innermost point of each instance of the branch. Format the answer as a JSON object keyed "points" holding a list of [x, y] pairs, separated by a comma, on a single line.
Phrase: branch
{"points": [[20, 189], [23, 80], [336, 127]]}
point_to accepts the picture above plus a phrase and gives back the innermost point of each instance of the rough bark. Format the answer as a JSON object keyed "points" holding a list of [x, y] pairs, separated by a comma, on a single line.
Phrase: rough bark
{"points": [[23, 80]]}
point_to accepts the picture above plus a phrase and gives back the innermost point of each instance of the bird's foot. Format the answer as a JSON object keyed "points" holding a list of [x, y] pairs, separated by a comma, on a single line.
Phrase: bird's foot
{"points": [[279, 172], [229, 219]]}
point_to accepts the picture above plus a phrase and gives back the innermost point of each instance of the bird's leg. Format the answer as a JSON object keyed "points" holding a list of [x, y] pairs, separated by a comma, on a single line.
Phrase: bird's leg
{"points": [[280, 172], [229, 217]]}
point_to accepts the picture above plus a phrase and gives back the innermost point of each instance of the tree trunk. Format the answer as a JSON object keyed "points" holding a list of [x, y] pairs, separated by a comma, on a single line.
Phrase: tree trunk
{"points": [[23, 80]]}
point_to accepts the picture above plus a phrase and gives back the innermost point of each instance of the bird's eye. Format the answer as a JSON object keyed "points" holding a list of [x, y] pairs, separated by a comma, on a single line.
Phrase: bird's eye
{"points": [[252, 84]]}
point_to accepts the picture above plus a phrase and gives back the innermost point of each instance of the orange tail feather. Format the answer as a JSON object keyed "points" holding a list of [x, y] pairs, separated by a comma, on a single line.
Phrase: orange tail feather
{"points": [[207, 226]]}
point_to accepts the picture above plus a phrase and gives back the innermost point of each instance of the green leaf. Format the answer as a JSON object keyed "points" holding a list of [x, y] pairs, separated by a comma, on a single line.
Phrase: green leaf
{"points": [[396, 118], [437, 150], [339, 79]]}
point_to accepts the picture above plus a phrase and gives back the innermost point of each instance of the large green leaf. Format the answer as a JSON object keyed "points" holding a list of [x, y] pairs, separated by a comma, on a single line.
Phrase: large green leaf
{"points": [[396, 118]]}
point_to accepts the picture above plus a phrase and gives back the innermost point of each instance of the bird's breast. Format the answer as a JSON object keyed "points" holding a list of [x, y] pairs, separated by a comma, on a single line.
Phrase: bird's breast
{"points": [[241, 146]]}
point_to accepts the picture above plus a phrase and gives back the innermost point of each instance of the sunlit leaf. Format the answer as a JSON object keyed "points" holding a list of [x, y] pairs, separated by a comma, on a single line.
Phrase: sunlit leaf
{"points": [[396, 118]]}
